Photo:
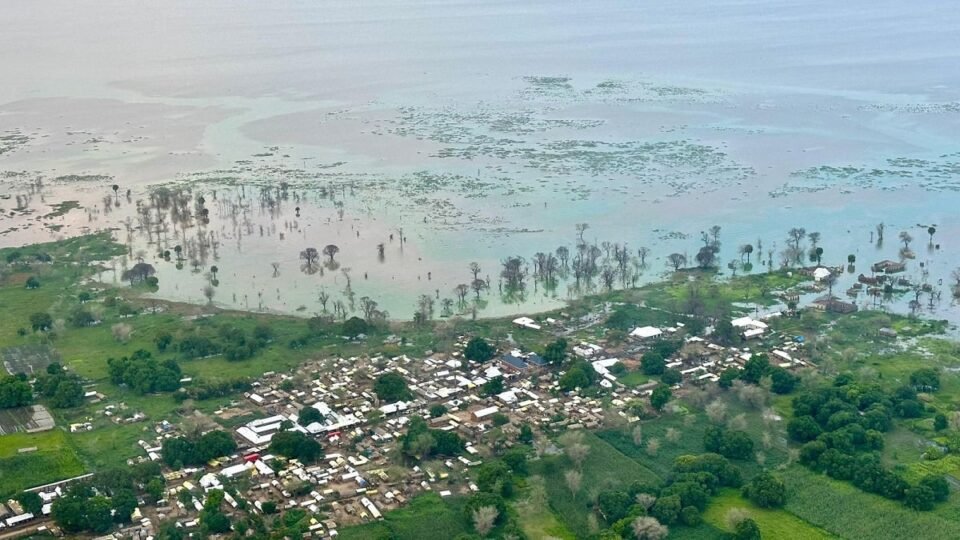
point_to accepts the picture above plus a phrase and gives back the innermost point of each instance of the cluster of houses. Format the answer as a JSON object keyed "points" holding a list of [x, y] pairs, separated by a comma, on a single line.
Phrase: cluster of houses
{"points": [[359, 479]]}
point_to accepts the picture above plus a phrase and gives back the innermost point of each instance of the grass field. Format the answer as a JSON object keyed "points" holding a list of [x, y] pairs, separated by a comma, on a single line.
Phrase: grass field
{"points": [[633, 378], [55, 459], [772, 523]]}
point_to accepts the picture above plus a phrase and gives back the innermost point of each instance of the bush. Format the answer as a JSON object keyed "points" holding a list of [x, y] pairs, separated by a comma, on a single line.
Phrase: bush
{"points": [[666, 509], [660, 396], [766, 491], [925, 380], [41, 322], [783, 382], [671, 377], [652, 363], [731, 444], [690, 516], [355, 326]]}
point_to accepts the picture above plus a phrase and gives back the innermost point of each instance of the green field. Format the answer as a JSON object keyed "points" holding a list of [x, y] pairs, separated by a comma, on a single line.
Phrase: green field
{"points": [[538, 521], [633, 378], [605, 468], [772, 523], [847, 512], [55, 459]]}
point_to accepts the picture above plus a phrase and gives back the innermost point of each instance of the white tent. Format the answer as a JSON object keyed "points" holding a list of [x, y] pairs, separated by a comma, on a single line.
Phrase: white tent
{"points": [[646, 332]]}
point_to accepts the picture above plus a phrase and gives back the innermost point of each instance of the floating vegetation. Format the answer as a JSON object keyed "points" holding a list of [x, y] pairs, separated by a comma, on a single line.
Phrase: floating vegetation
{"points": [[61, 208], [914, 108], [12, 140], [942, 174], [73, 178]]}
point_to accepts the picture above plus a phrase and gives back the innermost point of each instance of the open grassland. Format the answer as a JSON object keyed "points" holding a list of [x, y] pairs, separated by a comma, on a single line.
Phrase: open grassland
{"points": [[773, 523], [847, 512], [54, 459]]}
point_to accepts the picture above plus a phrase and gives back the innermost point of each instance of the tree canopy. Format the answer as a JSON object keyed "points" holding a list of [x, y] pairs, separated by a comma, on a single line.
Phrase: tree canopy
{"points": [[296, 445], [478, 350], [144, 374], [197, 451], [391, 387]]}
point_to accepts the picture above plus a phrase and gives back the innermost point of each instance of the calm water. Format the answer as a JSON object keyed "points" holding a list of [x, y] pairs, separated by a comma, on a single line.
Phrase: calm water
{"points": [[482, 129]]}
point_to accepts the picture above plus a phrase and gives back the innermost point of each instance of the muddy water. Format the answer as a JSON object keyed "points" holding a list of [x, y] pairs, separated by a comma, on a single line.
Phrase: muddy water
{"points": [[482, 129]]}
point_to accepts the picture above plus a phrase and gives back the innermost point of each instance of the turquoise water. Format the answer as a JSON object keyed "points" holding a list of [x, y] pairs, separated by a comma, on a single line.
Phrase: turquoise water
{"points": [[487, 129]]}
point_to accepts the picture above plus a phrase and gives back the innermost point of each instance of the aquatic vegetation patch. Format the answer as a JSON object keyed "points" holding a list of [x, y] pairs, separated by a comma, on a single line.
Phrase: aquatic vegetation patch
{"points": [[12, 140], [936, 174]]}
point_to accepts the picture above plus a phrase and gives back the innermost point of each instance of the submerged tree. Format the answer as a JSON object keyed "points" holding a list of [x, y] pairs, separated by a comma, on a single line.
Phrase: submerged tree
{"points": [[906, 239], [310, 258], [478, 285], [676, 261], [330, 250]]}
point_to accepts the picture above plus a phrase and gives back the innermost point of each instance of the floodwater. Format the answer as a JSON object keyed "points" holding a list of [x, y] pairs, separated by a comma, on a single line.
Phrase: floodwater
{"points": [[482, 129]]}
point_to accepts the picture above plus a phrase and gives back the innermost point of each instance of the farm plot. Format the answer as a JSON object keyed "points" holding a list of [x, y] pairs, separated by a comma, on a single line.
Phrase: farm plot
{"points": [[29, 359], [30, 419]]}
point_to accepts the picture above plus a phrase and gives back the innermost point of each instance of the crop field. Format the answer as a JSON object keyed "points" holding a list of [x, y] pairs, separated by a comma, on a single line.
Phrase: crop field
{"points": [[29, 359], [847, 512], [32, 419], [428, 517]]}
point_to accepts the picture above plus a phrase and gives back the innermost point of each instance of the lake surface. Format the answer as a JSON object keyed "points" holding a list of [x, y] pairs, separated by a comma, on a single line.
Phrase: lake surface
{"points": [[482, 130]]}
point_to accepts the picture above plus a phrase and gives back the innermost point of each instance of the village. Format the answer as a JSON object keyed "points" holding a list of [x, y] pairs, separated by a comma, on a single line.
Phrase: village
{"points": [[362, 475]]}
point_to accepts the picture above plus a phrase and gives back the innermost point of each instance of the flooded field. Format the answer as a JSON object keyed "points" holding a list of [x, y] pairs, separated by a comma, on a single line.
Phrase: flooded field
{"points": [[416, 138]]}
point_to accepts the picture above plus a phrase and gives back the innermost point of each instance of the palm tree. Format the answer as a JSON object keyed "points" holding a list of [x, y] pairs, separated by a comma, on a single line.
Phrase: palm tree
{"points": [[213, 272], [931, 231]]}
